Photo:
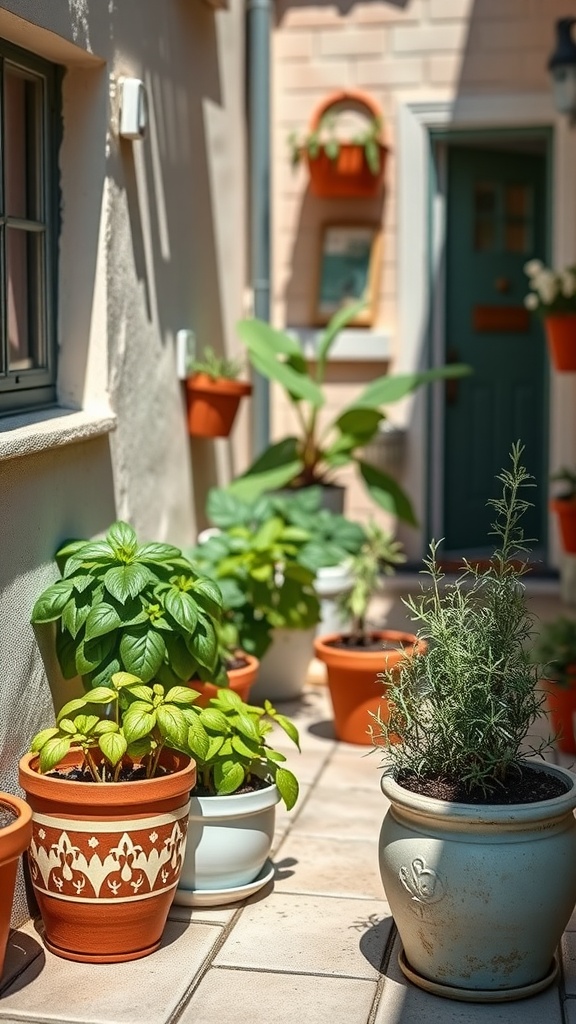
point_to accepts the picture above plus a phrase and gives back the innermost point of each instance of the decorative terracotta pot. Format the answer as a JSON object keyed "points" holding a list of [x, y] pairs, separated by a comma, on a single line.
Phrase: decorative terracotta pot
{"points": [[241, 680], [105, 859], [565, 509], [561, 337], [212, 404], [355, 688], [15, 835], [348, 176], [561, 701]]}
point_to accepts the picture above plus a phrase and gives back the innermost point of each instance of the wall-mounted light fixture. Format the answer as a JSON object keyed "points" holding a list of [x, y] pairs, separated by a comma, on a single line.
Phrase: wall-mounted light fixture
{"points": [[562, 67]]}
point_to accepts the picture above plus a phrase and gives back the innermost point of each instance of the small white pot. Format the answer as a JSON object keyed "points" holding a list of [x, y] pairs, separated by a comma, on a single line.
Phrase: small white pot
{"points": [[229, 839], [284, 667], [331, 582]]}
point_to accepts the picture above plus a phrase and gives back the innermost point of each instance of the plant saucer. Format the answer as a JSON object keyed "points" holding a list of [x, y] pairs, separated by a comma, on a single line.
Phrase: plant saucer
{"points": [[220, 897]]}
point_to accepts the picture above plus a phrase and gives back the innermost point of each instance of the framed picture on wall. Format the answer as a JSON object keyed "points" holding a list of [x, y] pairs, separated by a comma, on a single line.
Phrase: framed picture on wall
{"points": [[348, 269]]}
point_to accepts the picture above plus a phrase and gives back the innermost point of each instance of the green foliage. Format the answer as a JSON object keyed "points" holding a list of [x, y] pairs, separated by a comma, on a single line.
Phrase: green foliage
{"points": [[325, 138], [228, 741], [378, 556], [215, 366], [143, 609], [555, 651], [463, 710], [318, 451], [126, 721]]}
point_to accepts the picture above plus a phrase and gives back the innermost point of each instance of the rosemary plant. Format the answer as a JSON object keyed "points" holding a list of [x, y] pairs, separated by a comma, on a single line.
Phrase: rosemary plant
{"points": [[462, 712]]}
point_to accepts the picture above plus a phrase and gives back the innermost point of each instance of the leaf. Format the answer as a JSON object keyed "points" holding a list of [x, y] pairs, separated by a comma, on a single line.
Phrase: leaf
{"points": [[259, 334], [264, 346], [340, 319], [362, 422], [387, 493], [126, 581], [53, 752], [229, 699], [181, 661], [198, 740], [288, 788], [239, 745], [71, 706], [209, 596], [289, 728], [279, 465], [100, 695], [105, 672], [385, 390], [52, 602], [122, 538], [113, 745], [142, 652], [182, 608], [42, 737], [247, 726], [66, 653], [120, 679], [93, 552], [172, 724], [224, 509], [100, 620], [204, 644], [228, 776], [91, 653], [181, 695], [137, 724], [140, 692], [66, 725], [214, 721], [158, 554]]}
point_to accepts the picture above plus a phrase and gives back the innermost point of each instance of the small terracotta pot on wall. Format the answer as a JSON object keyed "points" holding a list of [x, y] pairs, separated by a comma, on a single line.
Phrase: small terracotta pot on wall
{"points": [[241, 680], [565, 509], [212, 404], [105, 858], [15, 835], [356, 690], [561, 701], [561, 337], [348, 176]]}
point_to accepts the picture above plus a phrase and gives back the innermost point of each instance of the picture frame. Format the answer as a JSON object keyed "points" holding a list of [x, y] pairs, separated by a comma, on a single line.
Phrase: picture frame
{"points": [[348, 268]]}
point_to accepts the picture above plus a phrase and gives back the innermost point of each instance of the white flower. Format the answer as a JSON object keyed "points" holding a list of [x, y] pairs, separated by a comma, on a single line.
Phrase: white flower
{"points": [[568, 284], [531, 301], [547, 285], [533, 267]]}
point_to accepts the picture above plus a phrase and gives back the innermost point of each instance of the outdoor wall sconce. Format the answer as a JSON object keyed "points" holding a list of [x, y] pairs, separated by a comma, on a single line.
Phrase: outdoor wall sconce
{"points": [[562, 68]]}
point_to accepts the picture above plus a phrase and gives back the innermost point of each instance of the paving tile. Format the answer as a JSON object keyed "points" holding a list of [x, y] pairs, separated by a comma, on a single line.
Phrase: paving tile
{"points": [[221, 916], [329, 867], [287, 819], [356, 813], [570, 1011], [144, 990], [245, 997], [353, 769], [311, 934], [405, 1003]]}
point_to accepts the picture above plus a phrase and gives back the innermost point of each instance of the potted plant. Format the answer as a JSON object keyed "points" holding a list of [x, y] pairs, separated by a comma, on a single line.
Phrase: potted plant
{"points": [[341, 167], [553, 295], [319, 450], [267, 590], [241, 778], [555, 651], [213, 394], [109, 789], [140, 608], [475, 821], [15, 835], [354, 657], [564, 505]]}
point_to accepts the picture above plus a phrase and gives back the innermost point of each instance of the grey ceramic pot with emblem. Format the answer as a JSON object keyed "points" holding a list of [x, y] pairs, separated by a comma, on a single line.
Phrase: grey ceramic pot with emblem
{"points": [[480, 894]]}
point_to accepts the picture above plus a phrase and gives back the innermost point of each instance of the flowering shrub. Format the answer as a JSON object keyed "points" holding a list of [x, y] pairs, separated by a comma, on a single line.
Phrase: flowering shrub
{"points": [[551, 291]]}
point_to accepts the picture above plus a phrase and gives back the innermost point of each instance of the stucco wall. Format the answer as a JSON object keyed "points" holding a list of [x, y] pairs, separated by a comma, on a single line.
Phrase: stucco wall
{"points": [[152, 240]]}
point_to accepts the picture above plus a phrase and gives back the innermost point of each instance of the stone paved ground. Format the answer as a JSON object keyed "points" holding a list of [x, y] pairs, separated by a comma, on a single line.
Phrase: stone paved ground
{"points": [[317, 944]]}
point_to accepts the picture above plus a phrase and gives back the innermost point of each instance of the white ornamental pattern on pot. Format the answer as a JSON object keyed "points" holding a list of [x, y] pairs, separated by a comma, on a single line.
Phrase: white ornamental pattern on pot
{"points": [[120, 865]]}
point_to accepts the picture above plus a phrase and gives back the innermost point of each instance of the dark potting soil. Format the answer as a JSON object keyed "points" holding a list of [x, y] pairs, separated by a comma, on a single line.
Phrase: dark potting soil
{"points": [[524, 785], [366, 642], [237, 662], [129, 773], [248, 787]]}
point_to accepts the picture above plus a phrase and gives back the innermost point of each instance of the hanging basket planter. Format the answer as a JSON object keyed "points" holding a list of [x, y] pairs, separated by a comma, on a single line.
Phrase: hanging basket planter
{"points": [[345, 170], [561, 337], [565, 509], [212, 404]]}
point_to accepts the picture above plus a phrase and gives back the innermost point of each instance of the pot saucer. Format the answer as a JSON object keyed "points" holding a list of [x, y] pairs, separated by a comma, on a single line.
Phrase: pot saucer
{"points": [[220, 897], [502, 995]]}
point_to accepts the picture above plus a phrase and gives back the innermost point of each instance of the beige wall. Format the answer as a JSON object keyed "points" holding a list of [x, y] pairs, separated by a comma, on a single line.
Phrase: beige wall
{"points": [[152, 241]]}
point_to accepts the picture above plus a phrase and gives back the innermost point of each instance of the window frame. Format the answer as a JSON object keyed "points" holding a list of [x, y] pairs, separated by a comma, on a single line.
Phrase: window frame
{"points": [[26, 389]]}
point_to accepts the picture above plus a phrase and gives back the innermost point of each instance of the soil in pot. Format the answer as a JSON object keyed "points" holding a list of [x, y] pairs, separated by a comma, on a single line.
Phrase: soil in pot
{"points": [[522, 786]]}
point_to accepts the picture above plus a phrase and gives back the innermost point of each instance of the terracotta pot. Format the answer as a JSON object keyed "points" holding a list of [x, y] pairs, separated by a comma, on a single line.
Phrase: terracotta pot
{"points": [[561, 701], [212, 404], [348, 176], [355, 688], [561, 337], [15, 835], [241, 680], [565, 509], [105, 859]]}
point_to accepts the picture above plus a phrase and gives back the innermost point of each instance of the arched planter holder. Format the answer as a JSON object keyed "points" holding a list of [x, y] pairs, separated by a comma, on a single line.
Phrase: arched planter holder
{"points": [[348, 174]]}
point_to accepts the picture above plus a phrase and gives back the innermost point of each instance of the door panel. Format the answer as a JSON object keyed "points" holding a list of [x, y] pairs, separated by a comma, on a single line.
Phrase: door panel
{"points": [[495, 223]]}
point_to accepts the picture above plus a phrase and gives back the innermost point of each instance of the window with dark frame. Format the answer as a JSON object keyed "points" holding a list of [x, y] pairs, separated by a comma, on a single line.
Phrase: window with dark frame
{"points": [[29, 127]]}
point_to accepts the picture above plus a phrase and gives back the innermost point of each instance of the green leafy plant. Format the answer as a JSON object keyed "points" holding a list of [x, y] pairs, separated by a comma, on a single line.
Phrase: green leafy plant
{"points": [[555, 650], [215, 366], [228, 740], [462, 711], [325, 138], [141, 608], [321, 448], [135, 723], [258, 563], [378, 557]]}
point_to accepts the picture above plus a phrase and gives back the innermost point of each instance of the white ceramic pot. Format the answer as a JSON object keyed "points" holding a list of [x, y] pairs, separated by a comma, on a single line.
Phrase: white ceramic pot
{"points": [[229, 840], [331, 582], [480, 894], [284, 667]]}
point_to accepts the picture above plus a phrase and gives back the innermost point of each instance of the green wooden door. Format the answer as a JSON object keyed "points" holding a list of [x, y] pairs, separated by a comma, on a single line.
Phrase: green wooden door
{"points": [[495, 223]]}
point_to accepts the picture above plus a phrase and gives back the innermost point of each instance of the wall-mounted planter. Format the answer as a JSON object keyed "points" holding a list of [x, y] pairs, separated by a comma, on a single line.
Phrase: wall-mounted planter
{"points": [[212, 404], [561, 337], [347, 175], [565, 509]]}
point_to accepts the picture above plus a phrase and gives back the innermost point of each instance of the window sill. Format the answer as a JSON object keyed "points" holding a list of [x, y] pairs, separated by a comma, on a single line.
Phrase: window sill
{"points": [[351, 345], [32, 432]]}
